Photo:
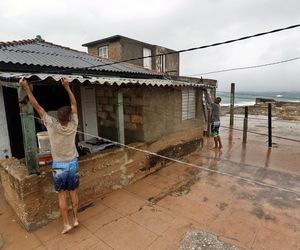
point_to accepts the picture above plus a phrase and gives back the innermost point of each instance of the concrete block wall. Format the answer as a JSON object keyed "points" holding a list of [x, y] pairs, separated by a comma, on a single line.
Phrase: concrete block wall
{"points": [[172, 61], [33, 198], [114, 50], [93, 50], [133, 113], [106, 106], [163, 113], [149, 113]]}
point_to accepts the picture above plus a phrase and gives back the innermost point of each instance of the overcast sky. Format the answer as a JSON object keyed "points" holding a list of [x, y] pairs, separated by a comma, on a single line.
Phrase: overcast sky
{"points": [[176, 24]]}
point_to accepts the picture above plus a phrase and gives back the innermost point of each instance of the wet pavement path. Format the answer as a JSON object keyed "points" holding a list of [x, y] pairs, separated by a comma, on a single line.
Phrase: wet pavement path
{"points": [[159, 210]]}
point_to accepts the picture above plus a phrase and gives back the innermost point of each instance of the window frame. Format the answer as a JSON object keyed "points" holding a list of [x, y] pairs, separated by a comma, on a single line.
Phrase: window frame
{"points": [[100, 51], [147, 62], [162, 63], [188, 104]]}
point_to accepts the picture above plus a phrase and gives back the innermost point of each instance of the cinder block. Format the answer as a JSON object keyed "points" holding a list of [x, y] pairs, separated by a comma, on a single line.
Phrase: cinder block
{"points": [[136, 119]]}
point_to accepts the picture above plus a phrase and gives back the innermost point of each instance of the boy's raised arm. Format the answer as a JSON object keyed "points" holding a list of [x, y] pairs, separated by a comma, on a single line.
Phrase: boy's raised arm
{"points": [[32, 99], [65, 83]]}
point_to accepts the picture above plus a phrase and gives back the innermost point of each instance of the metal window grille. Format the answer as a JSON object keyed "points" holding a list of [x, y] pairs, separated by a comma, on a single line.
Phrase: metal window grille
{"points": [[188, 104]]}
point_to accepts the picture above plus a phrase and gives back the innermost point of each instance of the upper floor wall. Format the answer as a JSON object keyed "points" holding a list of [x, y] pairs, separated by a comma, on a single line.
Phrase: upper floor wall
{"points": [[121, 48]]}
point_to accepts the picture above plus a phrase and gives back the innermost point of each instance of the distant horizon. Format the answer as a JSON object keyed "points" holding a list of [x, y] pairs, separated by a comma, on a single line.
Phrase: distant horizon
{"points": [[262, 91]]}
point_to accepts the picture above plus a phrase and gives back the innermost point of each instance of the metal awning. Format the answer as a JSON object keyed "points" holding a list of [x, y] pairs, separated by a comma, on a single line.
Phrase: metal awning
{"points": [[12, 77]]}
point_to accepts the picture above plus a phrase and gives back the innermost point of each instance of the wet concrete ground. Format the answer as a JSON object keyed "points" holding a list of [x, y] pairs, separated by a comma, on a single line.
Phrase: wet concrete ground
{"points": [[159, 210]]}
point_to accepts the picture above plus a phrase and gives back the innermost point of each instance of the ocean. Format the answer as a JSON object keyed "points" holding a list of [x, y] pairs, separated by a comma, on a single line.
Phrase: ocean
{"points": [[247, 98]]}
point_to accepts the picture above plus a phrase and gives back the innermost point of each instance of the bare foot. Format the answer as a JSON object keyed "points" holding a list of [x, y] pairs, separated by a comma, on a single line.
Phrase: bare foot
{"points": [[67, 228], [76, 223]]}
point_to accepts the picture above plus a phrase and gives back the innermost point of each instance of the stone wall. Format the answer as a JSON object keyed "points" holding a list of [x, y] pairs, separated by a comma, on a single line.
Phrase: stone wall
{"points": [[33, 197]]}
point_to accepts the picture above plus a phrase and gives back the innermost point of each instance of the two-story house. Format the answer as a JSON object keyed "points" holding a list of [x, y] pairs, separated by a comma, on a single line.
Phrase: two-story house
{"points": [[121, 48]]}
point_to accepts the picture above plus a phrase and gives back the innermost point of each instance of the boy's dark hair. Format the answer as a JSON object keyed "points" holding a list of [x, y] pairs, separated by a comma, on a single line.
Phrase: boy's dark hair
{"points": [[218, 99], [63, 114]]}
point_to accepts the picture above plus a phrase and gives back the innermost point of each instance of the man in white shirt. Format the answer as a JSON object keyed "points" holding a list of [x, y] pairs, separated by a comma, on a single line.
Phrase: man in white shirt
{"points": [[62, 134]]}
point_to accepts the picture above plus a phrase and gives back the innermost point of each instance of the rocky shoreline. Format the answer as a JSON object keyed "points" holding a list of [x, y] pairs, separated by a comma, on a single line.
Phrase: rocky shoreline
{"points": [[281, 110]]}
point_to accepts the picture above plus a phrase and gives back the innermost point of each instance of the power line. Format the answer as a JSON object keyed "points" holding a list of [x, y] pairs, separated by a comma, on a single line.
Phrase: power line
{"points": [[187, 50], [246, 67], [201, 47]]}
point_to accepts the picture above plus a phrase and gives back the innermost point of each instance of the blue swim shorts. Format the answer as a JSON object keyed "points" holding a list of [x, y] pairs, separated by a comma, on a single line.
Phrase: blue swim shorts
{"points": [[65, 175], [215, 126]]}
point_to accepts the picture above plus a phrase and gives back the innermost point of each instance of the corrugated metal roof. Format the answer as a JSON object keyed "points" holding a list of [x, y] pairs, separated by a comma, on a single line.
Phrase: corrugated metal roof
{"points": [[36, 78], [37, 53]]}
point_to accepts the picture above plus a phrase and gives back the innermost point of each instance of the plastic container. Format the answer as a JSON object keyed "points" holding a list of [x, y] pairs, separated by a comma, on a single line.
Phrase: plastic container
{"points": [[44, 142]]}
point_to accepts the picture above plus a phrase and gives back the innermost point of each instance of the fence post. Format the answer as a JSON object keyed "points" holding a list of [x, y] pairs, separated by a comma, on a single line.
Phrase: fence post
{"points": [[232, 104], [270, 124], [245, 128]]}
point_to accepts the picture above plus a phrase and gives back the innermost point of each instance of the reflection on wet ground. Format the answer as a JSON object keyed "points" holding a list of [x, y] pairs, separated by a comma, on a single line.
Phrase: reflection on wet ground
{"points": [[158, 211]]}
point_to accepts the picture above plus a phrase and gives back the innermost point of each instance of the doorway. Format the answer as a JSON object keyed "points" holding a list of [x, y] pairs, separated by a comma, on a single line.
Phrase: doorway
{"points": [[89, 111]]}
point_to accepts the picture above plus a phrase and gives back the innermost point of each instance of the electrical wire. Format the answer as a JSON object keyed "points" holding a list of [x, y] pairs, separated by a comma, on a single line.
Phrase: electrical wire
{"points": [[204, 46], [189, 49], [246, 67]]}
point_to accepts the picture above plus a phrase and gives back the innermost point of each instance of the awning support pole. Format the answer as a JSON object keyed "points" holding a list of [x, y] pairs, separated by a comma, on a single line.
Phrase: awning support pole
{"points": [[29, 133], [120, 117]]}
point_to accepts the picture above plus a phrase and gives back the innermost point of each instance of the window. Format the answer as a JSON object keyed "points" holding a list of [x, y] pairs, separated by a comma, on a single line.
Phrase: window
{"points": [[103, 51], [162, 63], [147, 61], [188, 104]]}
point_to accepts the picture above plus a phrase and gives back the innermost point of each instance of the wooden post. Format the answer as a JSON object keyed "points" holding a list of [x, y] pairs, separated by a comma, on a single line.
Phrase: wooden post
{"points": [[213, 93], [120, 117], [208, 122], [29, 133], [232, 92], [270, 124], [245, 128]]}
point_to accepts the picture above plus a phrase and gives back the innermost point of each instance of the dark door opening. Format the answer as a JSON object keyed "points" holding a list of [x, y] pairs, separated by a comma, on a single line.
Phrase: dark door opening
{"points": [[49, 97]]}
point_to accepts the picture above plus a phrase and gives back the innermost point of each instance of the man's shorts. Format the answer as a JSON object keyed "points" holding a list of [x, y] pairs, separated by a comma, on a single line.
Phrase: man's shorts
{"points": [[65, 175], [215, 128]]}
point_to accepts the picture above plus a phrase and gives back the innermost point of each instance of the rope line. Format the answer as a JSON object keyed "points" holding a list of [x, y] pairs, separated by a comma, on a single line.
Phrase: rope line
{"points": [[240, 116], [186, 163], [257, 133]]}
